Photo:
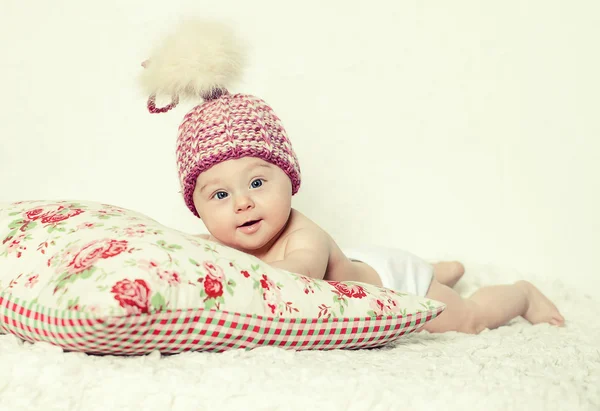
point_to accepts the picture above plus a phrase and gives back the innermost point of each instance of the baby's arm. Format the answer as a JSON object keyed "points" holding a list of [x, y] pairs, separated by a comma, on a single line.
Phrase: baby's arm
{"points": [[306, 253]]}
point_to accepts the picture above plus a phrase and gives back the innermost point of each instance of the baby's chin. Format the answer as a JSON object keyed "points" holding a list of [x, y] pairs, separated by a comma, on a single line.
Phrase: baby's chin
{"points": [[250, 246], [245, 246]]}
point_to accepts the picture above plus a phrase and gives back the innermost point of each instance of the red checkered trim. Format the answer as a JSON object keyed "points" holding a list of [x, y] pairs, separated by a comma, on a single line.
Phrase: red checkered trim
{"points": [[176, 331]]}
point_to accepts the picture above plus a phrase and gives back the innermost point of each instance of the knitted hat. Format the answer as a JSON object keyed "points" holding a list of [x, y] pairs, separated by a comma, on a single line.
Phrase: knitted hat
{"points": [[198, 61]]}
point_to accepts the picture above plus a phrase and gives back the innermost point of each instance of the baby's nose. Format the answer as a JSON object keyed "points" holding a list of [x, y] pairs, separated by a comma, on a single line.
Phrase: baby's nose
{"points": [[244, 203]]}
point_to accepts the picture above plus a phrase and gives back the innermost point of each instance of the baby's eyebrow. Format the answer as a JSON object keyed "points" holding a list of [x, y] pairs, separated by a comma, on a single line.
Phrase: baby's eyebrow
{"points": [[249, 168], [257, 165], [208, 183]]}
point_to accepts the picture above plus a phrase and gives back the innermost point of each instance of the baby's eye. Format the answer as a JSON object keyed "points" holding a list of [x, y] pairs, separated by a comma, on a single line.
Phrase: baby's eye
{"points": [[220, 195], [256, 183]]}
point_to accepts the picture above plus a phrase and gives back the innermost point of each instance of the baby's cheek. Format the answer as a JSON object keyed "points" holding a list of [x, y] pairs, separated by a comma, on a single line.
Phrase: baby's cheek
{"points": [[220, 223]]}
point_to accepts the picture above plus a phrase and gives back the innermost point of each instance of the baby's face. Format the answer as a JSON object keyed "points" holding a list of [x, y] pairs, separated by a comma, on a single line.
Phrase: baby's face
{"points": [[244, 203]]}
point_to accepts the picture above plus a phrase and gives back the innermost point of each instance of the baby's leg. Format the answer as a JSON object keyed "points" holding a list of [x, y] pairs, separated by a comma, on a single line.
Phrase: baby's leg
{"points": [[490, 307], [448, 272]]}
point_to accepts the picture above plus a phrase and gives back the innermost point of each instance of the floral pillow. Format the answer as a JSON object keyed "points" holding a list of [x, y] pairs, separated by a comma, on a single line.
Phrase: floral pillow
{"points": [[102, 279]]}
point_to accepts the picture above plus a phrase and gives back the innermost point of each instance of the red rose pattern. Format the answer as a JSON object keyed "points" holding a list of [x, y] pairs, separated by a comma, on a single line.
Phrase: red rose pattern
{"points": [[15, 245], [214, 281], [212, 287], [349, 290], [133, 296], [272, 296], [307, 284], [170, 276], [114, 248], [52, 216], [87, 256], [265, 282], [380, 308], [359, 292], [214, 271], [58, 216], [138, 230], [34, 214]]}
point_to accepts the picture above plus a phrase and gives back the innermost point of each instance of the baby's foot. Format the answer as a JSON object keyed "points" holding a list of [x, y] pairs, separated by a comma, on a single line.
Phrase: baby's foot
{"points": [[540, 308]]}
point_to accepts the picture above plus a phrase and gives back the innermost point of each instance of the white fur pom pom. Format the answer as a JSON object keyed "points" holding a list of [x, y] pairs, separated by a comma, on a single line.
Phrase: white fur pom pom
{"points": [[196, 59]]}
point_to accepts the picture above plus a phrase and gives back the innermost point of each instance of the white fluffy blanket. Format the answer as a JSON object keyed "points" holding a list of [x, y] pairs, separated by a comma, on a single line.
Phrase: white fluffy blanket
{"points": [[516, 367]]}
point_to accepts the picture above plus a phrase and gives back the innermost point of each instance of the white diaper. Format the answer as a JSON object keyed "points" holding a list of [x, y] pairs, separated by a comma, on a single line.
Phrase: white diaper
{"points": [[398, 269]]}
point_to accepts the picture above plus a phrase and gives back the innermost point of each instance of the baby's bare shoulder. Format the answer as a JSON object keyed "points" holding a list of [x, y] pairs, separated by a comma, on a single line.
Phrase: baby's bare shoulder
{"points": [[303, 233]]}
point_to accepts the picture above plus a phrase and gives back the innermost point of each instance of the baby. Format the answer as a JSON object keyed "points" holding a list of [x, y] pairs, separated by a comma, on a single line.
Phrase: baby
{"points": [[238, 173]]}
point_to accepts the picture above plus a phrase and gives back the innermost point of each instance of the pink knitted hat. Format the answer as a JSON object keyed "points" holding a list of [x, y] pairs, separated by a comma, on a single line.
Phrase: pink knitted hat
{"points": [[197, 61]]}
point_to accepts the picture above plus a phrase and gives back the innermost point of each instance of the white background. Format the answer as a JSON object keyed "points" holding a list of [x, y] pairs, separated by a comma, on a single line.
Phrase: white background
{"points": [[461, 129]]}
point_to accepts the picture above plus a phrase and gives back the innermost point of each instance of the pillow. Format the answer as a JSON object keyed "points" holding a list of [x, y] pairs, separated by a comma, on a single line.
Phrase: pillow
{"points": [[102, 279]]}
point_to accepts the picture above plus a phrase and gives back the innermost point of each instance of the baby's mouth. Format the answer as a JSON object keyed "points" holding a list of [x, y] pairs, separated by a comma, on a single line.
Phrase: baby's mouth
{"points": [[249, 223]]}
